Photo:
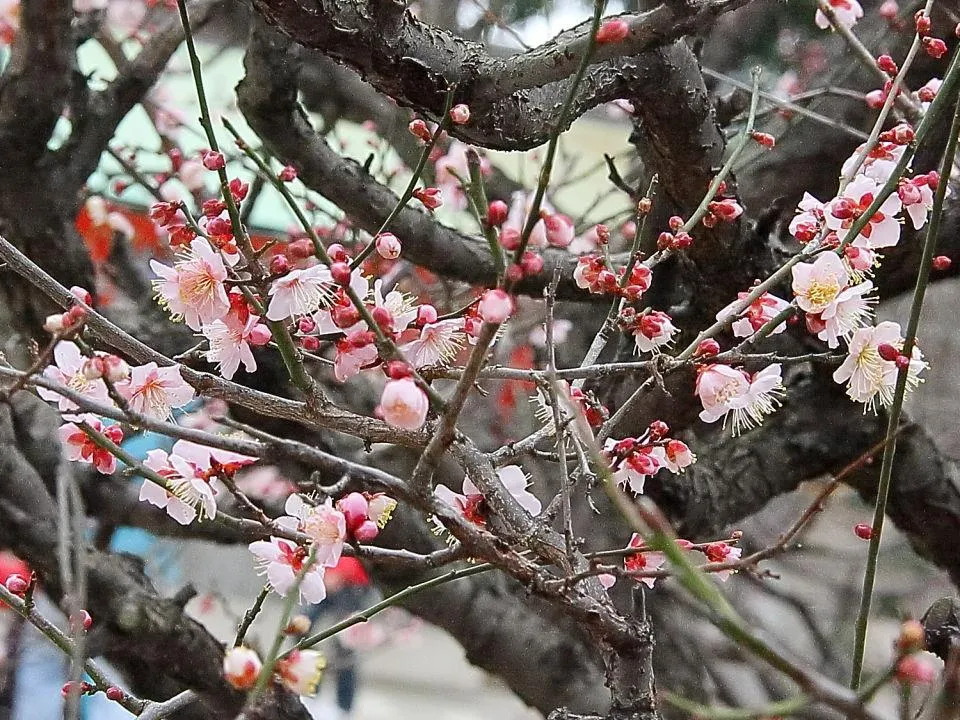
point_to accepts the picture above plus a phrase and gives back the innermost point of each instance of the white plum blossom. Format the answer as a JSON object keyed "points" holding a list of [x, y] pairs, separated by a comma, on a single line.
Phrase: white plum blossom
{"points": [[281, 560], [917, 198], [193, 288], [470, 502], [847, 13], [324, 524], [850, 310], [69, 371], [187, 495], [300, 671], [806, 224], [155, 391], [80, 447], [653, 331], [724, 390], [870, 378], [643, 561], [676, 456], [301, 291], [879, 163], [438, 344], [818, 284]]}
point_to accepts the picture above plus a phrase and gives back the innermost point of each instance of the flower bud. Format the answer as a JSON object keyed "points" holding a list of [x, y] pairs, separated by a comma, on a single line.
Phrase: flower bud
{"points": [[367, 531], [426, 314], [260, 335], [497, 212], [299, 625], [912, 637], [340, 272], [212, 160], [388, 246], [460, 114], [763, 139], [514, 273], [115, 693], [81, 294], [430, 197], [888, 352], [886, 63], [495, 306], [404, 405], [241, 667], [299, 249], [935, 47], [644, 206], [17, 584], [875, 99], [279, 265], [922, 22], [397, 369], [54, 323], [306, 325], [310, 343], [531, 263], [612, 31], [707, 348], [941, 263], [863, 531], [418, 128], [902, 362], [509, 239], [288, 174], [354, 507], [675, 223]]}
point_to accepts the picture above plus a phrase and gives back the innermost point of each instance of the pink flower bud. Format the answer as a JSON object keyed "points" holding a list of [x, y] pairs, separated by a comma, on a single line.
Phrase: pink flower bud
{"points": [[81, 620], [514, 273], [310, 343], [115, 694], [419, 129], [367, 531], [658, 430], [241, 667], [497, 212], [259, 335], [509, 239], [612, 31], [875, 99], [404, 405], [922, 22], [941, 263], [17, 584], [397, 369], [338, 253], [675, 223], [388, 246], [279, 265], [531, 263], [902, 362], [495, 306], [888, 352], [383, 318], [889, 10], [81, 294], [74, 316], [306, 325], [299, 249], [354, 507], [430, 197], [288, 174], [916, 670], [426, 314], [707, 348], [239, 189], [559, 230], [886, 63], [763, 139], [340, 272], [909, 193], [460, 114], [212, 160], [682, 241], [863, 531], [213, 207], [935, 47]]}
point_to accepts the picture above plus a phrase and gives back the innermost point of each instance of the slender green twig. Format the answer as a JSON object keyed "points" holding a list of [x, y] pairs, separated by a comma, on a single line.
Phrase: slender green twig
{"points": [[893, 417], [782, 708]]}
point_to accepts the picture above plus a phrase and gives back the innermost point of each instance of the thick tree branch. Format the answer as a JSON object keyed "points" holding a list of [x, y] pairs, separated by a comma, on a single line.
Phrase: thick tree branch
{"points": [[515, 100]]}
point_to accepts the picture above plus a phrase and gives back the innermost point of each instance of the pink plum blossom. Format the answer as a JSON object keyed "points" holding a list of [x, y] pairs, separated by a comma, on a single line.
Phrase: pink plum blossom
{"points": [[643, 561], [69, 371], [230, 344], [187, 495], [470, 503], [495, 306], [193, 288], [846, 11], [757, 314], [300, 292], [80, 447], [324, 524], [437, 345], [653, 331], [155, 391]]}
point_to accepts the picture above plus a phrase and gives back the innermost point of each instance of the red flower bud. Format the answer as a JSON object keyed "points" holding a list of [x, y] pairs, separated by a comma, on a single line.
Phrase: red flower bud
{"points": [[288, 174], [299, 249], [212, 160], [764, 139], [460, 114], [419, 129], [397, 370], [935, 47], [17, 584], [863, 531], [310, 343], [340, 272], [115, 694], [675, 223], [941, 263], [612, 31], [497, 212], [707, 348], [279, 265], [922, 23], [886, 63], [888, 352]]}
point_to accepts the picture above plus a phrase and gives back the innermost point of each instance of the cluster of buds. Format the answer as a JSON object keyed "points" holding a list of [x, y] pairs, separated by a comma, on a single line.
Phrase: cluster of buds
{"points": [[593, 274], [366, 514], [73, 317], [891, 353], [726, 210], [875, 99], [103, 365], [530, 264], [633, 460]]}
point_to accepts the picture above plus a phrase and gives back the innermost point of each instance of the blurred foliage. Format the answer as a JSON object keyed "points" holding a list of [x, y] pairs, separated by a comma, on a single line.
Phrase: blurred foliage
{"points": [[516, 10]]}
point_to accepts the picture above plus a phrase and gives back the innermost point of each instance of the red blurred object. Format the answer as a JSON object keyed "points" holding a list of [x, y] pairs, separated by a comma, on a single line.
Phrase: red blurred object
{"points": [[349, 571], [10, 564]]}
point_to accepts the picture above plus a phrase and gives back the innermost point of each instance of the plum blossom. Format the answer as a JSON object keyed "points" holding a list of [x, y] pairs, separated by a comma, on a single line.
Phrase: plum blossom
{"points": [[721, 552], [230, 344], [301, 670], [757, 314], [917, 197], [80, 447], [437, 345], [882, 230], [847, 13], [281, 560], [472, 505], [636, 465], [676, 456], [653, 331], [193, 288], [870, 378], [851, 309], [643, 561], [495, 306], [155, 391], [807, 223], [818, 284], [300, 292], [879, 163], [187, 495], [69, 371], [403, 404], [724, 390], [324, 524]]}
